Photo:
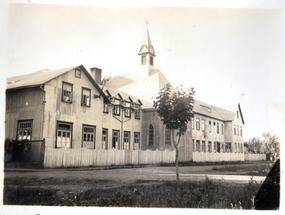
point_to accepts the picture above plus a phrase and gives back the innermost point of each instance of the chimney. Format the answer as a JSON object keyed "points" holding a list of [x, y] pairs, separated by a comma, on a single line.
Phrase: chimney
{"points": [[96, 73]]}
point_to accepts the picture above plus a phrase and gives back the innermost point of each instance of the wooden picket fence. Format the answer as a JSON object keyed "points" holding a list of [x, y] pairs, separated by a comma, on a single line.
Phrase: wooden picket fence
{"points": [[89, 157], [217, 157]]}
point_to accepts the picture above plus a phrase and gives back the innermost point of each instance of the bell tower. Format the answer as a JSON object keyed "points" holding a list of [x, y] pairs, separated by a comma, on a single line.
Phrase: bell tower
{"points": [[146, 55]]}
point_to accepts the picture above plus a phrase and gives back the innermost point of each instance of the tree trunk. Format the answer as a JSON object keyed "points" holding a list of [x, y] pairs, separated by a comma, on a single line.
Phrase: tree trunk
{"points": [[177, 164]]}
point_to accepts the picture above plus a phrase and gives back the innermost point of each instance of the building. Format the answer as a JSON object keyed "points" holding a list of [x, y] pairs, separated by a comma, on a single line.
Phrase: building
{"points": [[72, 108]]}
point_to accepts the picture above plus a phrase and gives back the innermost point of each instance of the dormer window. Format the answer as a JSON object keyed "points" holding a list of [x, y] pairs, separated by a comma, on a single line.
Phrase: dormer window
{"points": [[66, 92], [117, 108], [77, 73], [151, 60], [143, 60]]}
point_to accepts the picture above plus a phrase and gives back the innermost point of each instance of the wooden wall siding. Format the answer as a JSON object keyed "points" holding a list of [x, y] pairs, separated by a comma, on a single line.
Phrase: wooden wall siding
{"points": [[215, 157], [85, 157], [251, 157], [24, 104]]}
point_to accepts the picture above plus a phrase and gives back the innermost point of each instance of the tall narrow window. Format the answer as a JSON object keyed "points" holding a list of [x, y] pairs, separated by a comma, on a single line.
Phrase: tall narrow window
{"points": [[234, 130], [241, 131], [143, 60], [151, 60], [105, 108], [203, 146], [209, 146], [88, 138], [197, 124], [222, 128], [128, 110], [104, 138], [136, 140], [137, 111], [24, 131], [198, 147], [64, 135], [192, 123], [193, 144], [237, 130], [203, 125], [127, 137], [117, 108], [210, 126], [115, 139], [218, 128], [150, 135], [86, 97], [167, 136], [66, 92]]}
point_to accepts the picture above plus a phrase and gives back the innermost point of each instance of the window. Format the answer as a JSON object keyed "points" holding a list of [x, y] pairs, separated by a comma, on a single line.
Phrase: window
{"points": [[127, 137], [150, 135], [24, 131], [215, 146], [137, 111], [192, 123], [241, 131], [66, 92], [219, 147], [86, 97], [197, 124], [203, 146], [237, 130], [218, 128], [105, 108], [222, 128], [136, 140], [198, 148], [115, 139], [64, 135], [143, 60], [88, 136], [104, 138], [117, 108], [167, 136], [193, 143], [210, 126], [234, 130], [77, 73], [203, 125], [228, 147], [209, 146], [151, 60], [128, 110]]}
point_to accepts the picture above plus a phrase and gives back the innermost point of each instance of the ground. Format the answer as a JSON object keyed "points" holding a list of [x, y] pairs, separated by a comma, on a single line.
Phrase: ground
{"points": [[133, 186]]}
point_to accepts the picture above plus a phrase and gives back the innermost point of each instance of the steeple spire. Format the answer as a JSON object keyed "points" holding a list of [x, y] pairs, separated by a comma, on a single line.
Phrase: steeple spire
{"points": [[146, 47]]}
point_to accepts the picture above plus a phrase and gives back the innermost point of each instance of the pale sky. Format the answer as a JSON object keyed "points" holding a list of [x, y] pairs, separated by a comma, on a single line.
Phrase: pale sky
{"points": [[228, 55]]}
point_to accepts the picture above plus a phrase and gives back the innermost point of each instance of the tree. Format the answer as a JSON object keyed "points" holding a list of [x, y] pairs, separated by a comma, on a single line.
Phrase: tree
{"points": [[175, 108], [255, 145], [272, 144]]}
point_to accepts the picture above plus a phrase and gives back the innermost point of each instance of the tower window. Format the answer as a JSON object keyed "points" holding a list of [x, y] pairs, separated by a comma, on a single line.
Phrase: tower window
{"points": [[151, 60], [143, 60]]}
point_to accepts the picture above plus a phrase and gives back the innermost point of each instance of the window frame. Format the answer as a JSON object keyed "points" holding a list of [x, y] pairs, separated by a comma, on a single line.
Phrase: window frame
{"points": [[119, 136], [105, 107], [151, 60], [76, 74], [62, 94], [137, 111], [82, 103], [106, 146], [203, 123], [135, 138], [71, 133], [197, 122], [117, 107], [21, 121], [129, 142], [94, 135], [150, 128], [143, 60]]}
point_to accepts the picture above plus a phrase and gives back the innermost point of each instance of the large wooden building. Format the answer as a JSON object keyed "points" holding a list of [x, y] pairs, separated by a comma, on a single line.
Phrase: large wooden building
{"points": [[73, 108]]}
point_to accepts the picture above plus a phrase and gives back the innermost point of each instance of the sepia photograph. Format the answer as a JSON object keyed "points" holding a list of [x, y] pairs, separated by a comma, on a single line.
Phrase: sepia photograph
{"points": [[149, 105]]}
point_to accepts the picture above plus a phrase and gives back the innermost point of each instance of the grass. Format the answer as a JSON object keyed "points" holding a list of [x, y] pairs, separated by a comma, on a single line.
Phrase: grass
{"points": [[205, 194]]}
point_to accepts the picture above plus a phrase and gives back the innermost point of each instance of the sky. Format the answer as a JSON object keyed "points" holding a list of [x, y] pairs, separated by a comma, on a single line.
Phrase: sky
{"points": [[229, 55]]}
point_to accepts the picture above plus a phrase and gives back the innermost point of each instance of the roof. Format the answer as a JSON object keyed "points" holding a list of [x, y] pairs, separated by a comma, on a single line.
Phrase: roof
{"points": [[212, 111], [146, 46], [43, 76]]}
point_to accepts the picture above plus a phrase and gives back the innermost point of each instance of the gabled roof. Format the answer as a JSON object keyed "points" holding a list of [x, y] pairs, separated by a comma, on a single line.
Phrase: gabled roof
{"points": [[43, 76], [146, 46], [239, 108], [212, 111]]}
